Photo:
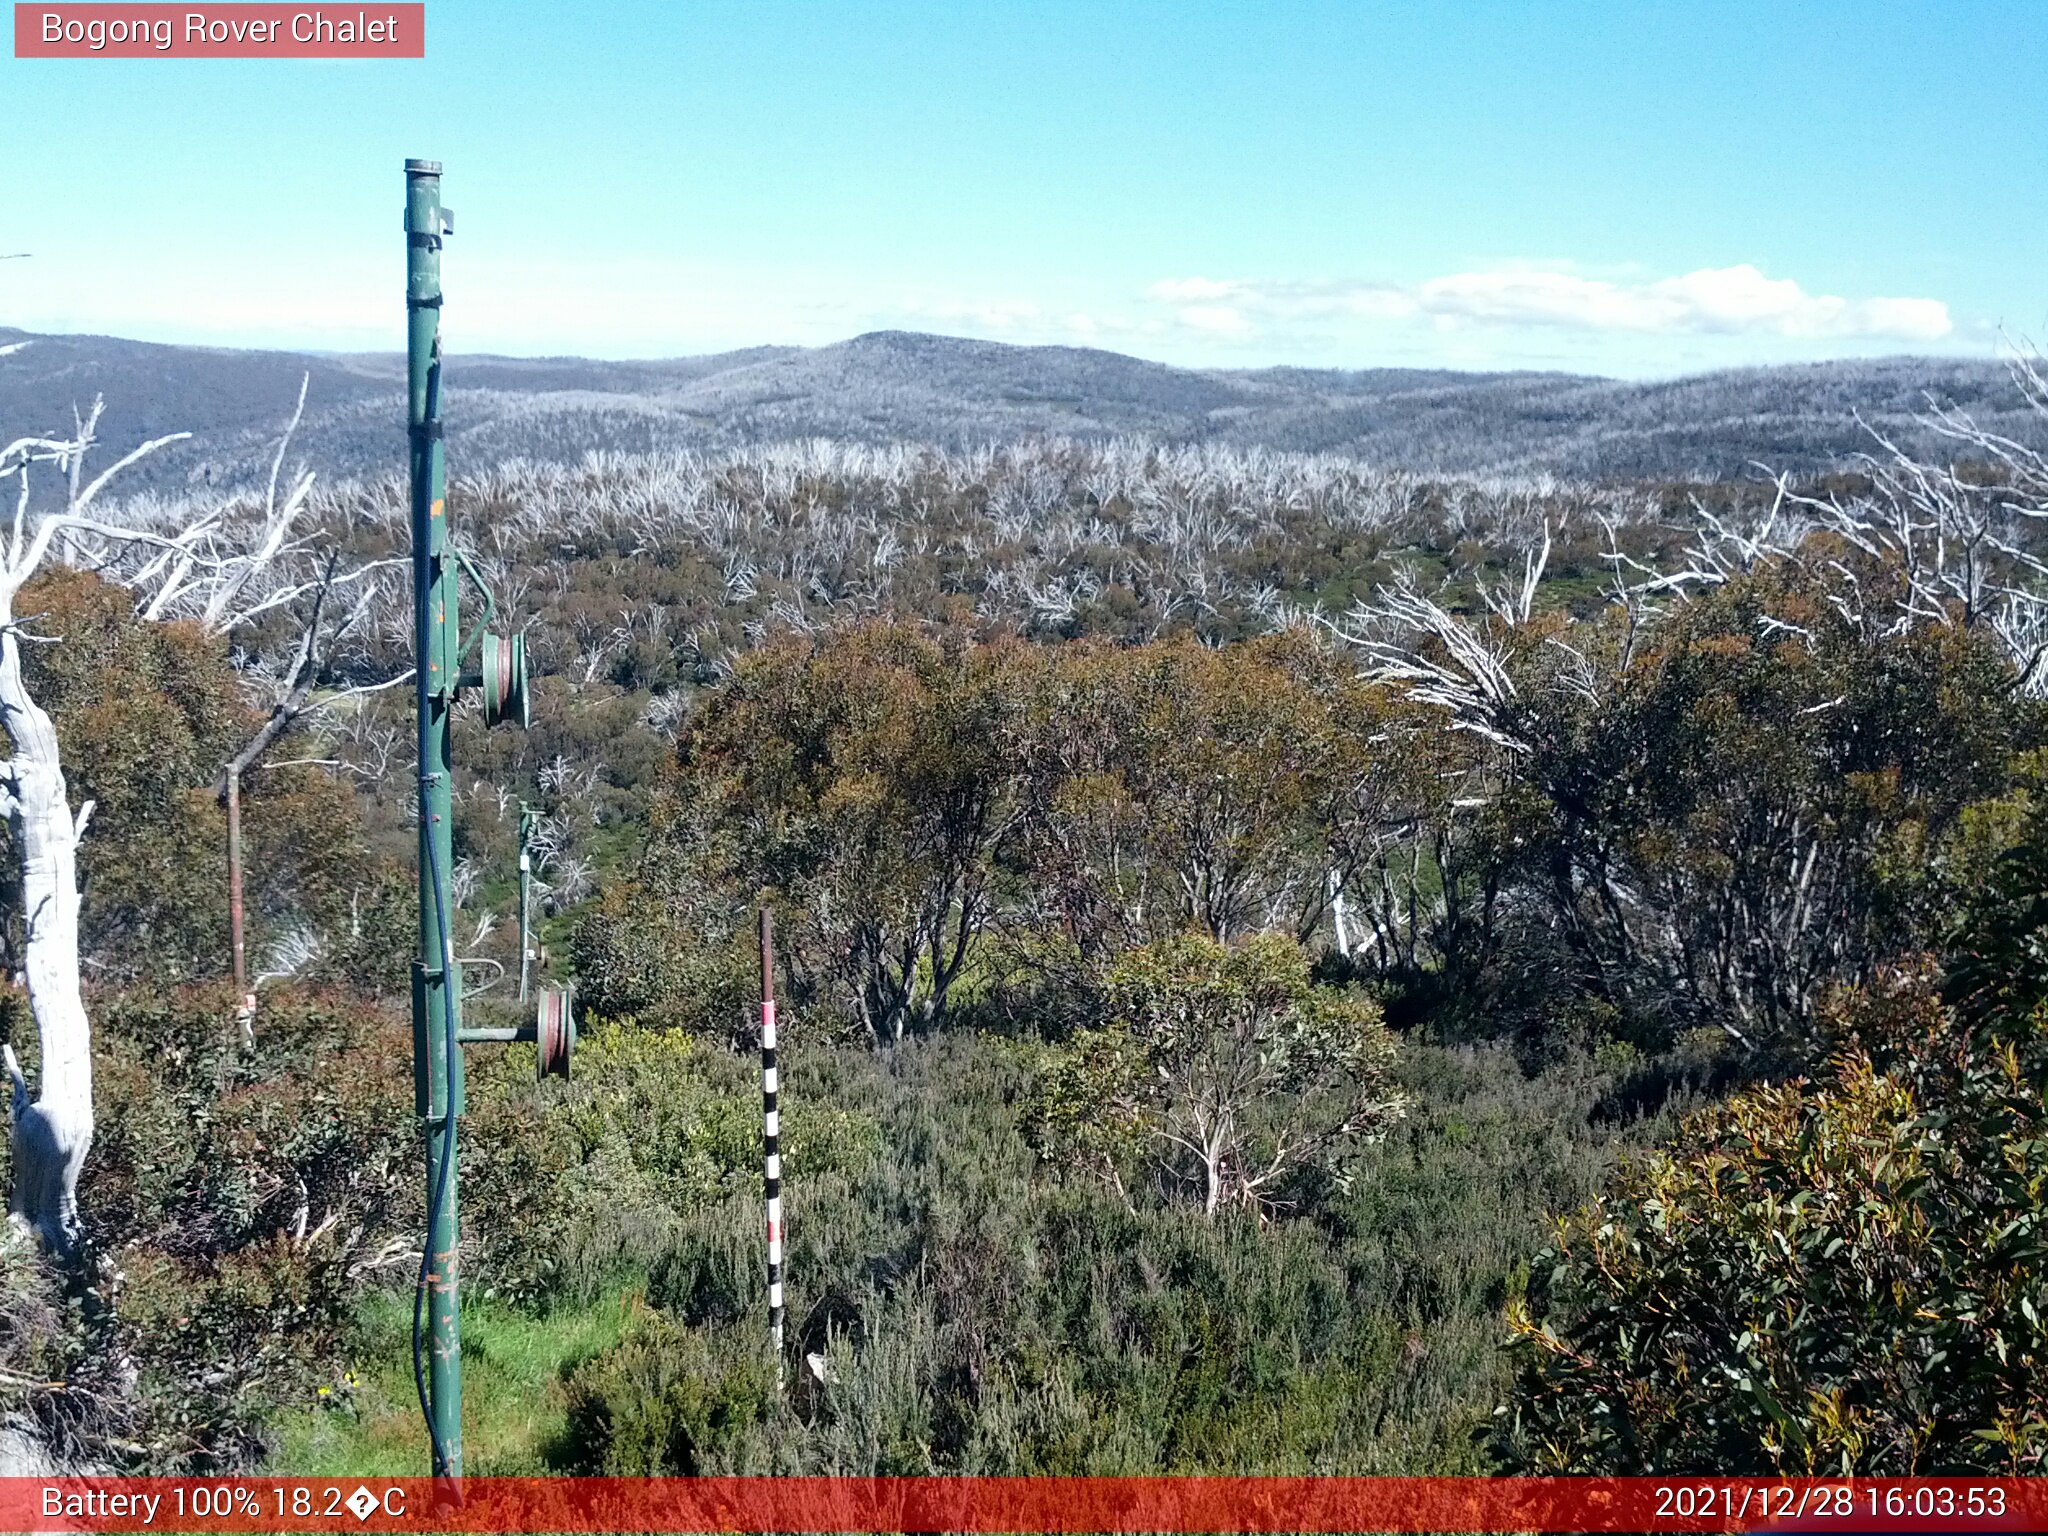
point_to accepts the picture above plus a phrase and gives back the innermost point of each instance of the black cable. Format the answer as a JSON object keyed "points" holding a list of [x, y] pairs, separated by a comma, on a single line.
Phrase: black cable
{"points": [[424, 435], [440, 1191], [438, 1195]]}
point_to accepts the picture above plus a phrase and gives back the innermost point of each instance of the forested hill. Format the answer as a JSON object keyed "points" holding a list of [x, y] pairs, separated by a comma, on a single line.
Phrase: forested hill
{"points": [[893, 386]]}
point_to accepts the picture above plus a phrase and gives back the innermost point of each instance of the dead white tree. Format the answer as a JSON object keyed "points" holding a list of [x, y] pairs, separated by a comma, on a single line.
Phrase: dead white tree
{"points": [[1967, 535], [292, 693], [220, 569], [52, 1132], [1419, 647]]}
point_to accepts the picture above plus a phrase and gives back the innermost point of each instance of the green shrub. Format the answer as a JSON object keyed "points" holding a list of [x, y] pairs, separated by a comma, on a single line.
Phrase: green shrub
{"points": [[242, 1203], [604, 1177], [666, 1401], [1847, 1275], [637, 959], [1224, 1064], [974, 1310]]}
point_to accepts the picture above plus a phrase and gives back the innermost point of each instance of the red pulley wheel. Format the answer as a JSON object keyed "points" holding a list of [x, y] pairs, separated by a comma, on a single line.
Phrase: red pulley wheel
{"points": [[554, 1032], [501, 678]]}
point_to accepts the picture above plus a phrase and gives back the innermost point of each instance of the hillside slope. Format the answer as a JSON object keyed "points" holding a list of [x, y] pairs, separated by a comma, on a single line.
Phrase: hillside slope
{"points": [[891, 385]]}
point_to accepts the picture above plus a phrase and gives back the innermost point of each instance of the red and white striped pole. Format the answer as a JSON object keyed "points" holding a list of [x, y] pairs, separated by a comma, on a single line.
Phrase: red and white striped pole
{"points": [[771, 1140]]}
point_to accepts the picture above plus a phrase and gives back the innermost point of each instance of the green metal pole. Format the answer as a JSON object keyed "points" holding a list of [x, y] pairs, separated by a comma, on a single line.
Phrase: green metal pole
{"points": [[437, 982]]}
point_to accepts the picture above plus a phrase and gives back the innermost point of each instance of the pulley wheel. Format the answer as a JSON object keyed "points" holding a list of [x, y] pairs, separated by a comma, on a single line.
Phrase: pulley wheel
{"points": [[554, 1032], [501, 668]]}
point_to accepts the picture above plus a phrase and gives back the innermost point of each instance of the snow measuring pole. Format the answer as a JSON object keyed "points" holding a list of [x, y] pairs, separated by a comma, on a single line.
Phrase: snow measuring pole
{"points": [[441, 650], [526, 955], [771, 1141]]}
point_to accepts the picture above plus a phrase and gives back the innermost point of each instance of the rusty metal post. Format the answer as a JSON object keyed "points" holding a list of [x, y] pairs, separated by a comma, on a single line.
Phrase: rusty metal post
{"points": [[245, 997]]}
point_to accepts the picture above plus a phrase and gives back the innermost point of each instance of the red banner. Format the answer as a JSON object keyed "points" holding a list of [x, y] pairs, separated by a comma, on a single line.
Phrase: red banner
{"points": [[1025, 1504], [372, 31]]}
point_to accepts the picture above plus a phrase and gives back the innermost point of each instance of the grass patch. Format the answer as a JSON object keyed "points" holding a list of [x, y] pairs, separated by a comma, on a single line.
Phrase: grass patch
{"points": [[513, 1363]]}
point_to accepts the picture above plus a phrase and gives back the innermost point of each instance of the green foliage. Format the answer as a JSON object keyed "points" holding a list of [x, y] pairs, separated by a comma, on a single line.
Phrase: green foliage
{"points": [[1751, 801], [1175, 785], [680, 964], [147, 714], [363, 1420], [1839, 1276], [948, 824], [951, 825], [1228, 1065], [864, 783], [1997, 963], [240, 1203], [372, 933], [608, 1175], [667, 1401], [1092, 1108], [976, 1311]]}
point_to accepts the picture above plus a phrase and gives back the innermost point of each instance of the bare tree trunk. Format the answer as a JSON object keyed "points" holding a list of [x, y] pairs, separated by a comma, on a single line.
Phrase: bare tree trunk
{"points": [[52, 1134]]}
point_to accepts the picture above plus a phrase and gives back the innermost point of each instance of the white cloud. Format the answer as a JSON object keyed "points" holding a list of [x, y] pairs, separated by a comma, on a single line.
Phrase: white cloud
{"points": [[1181, 290], [1549, 313], [1728, 301], [1217, 319]]}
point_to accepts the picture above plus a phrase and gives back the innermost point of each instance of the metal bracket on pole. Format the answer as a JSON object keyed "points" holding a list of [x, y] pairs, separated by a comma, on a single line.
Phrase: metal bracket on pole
{"points": [[553, 1033], [476, 577]]}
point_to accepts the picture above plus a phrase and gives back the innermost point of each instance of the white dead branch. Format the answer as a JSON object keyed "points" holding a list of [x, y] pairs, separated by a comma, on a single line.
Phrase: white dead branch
{"points": [[52, 1130]]}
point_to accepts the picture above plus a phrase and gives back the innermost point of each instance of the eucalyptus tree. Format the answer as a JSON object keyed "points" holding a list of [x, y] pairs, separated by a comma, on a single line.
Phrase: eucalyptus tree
{"points": [[1728, 787], [866, 781], [1175, 785], [1223, 1071]]}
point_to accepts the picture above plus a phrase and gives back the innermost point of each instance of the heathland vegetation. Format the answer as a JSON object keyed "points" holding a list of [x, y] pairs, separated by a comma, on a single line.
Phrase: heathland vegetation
{"points": [[1285, 967]]}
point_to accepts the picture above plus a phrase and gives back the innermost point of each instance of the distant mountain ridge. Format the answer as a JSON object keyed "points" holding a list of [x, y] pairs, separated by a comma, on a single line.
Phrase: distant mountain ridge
{"points": [[894, 385]]}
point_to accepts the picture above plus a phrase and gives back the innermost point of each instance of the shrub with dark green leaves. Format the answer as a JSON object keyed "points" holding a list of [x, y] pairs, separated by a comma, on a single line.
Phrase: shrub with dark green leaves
{"points": [[608, 1175], [1998, 959], [1843, 1275], [668, 1401], [242, 1201], [665, 962]]}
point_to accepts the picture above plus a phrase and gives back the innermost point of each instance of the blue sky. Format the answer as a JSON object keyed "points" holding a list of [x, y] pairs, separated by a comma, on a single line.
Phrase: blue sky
{"points": [[1631, 189]]}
